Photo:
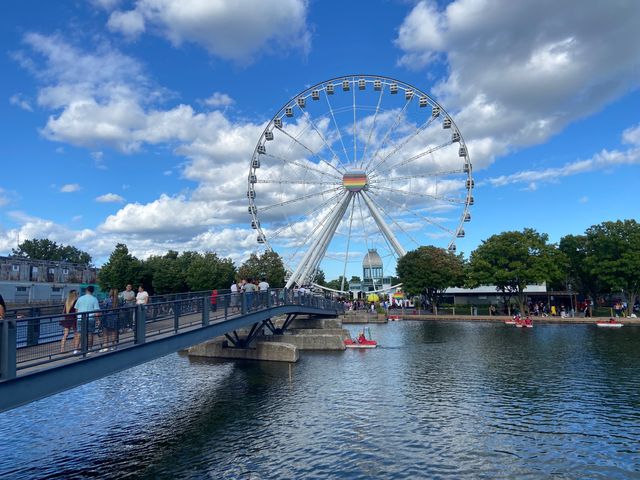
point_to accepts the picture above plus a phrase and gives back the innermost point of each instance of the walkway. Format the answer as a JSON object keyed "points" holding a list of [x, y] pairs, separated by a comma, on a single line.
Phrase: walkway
{"points": [[33, 366]]}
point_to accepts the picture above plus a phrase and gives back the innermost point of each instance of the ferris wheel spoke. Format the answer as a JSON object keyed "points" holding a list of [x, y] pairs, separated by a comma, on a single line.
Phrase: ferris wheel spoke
{"points": [[373, 125], [297, 182], [420, 194], [307, 117], [317, 248], [406, 161], [301, 165], [306, 214], [417, 215], [335, 123], [389, 132], [346, 257], [318, 226], [400, 145], [417, 175], [298, 199], [322, 159], [355, 140], [372, 207]]}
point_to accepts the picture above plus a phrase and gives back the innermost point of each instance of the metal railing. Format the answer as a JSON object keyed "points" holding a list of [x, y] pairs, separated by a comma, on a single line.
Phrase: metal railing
{"points": [[28, 342]]}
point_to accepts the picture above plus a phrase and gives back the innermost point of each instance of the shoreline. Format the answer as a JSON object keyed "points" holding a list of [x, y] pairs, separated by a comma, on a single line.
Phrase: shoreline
{"points": [[502, 318]]}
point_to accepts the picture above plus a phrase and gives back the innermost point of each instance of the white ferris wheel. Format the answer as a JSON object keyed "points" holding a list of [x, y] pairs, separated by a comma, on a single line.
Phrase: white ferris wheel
{"points": [[356, 164]]}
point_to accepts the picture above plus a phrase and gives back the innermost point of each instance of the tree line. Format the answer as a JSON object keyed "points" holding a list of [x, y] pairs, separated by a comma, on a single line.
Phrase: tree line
{"points": [[172, 272], [604, 260]]}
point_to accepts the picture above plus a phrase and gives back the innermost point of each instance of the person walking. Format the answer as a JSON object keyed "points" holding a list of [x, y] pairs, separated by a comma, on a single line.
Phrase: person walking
{"points": [[70, 322], [234, 295], [214, 299], [87, 303]]}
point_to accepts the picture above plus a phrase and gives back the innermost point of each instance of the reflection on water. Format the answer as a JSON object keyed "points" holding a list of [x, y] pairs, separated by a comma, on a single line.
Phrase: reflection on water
{"points": [[445, 399]]}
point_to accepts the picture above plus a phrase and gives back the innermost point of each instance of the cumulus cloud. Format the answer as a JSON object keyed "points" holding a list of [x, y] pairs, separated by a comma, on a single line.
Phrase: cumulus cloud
{"points": [[110, 198], [70, 187], [517, 75], [235, 30], [19, 101], [130, 24], [219, 100]]}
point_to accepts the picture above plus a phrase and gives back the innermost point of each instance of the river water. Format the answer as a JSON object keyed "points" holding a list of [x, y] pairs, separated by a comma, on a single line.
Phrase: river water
{"points": [[436, 400]]}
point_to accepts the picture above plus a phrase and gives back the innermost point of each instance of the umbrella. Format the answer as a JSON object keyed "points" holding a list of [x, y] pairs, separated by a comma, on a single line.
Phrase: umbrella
{"points": [[373, 297]]}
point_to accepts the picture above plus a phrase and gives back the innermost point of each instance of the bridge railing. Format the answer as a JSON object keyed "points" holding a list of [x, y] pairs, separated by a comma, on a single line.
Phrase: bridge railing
{"points": [[27, 342]]}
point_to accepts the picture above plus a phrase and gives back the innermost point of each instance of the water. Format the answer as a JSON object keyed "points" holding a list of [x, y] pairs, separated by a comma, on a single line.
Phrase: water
{"points": [[437, 400]]}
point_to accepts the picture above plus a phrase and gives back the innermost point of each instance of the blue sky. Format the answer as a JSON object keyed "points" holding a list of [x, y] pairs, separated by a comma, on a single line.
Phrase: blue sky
{"points": [[135, 122]]}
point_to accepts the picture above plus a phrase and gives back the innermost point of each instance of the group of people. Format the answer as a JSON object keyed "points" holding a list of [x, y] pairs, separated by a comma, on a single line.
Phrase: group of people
{"points": [[85, 311], [248, 286]]}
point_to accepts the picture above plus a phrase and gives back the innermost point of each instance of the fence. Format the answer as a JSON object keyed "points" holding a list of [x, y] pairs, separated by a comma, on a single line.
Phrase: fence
{"points": [[27, 342]]}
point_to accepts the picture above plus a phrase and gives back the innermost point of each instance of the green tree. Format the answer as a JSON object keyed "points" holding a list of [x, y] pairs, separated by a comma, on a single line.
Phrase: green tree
{"points": [[208, 271], [513, 260], [430, 270], [165, 274], [578, 272], [320, 278], [336, 284], [613, 256], [121, 268], [45, 249], [268, 265]]}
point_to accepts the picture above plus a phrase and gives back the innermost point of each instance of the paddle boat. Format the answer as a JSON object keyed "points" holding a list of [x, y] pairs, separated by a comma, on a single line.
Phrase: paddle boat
{"points": [[393, 317], [612, 323], [361, 342]]}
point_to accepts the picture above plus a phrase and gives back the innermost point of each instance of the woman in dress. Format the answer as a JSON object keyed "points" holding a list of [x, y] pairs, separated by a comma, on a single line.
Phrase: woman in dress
{"points": [[69, 322]]}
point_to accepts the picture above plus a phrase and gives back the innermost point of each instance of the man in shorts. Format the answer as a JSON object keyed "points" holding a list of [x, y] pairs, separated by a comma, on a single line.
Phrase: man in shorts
{"points": [[87, 303]]}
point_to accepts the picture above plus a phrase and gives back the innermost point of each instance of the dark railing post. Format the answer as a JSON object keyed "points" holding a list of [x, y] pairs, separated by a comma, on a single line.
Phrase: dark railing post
{"points": [[8, 348], [205, 311], [33, 328], [176, 315], [141, 324], [226, 305], [269, 299], [243, 298], [84, 333]]}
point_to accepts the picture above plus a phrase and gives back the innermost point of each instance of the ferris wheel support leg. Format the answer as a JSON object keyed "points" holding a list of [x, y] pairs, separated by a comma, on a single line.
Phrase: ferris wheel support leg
{"points": [[383, 226], [324, 242], [325, 235]]}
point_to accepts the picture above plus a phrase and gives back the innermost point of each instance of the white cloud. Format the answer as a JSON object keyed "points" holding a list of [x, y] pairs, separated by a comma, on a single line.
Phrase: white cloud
{"points": [[600, 161], [517, 75], [632, 135], [130, 24], [4, 197], [70, 187], [219, 100], [19, 101], [235, 30], [583, 199], [110, 198]]}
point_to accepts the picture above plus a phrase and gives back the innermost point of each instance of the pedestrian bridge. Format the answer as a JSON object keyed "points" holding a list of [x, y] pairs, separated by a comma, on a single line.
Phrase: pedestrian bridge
{"points": [[34, 364]]}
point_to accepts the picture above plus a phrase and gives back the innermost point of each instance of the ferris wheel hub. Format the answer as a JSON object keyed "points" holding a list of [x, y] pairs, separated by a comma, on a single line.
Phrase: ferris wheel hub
{"points": [[355, 180]]}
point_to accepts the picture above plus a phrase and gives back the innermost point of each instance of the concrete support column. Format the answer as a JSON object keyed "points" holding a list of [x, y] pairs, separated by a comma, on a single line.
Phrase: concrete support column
{"points": [[8, 347]]}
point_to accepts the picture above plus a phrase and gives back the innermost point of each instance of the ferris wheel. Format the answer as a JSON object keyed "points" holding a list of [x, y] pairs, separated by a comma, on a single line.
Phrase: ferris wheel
{"points": [[355, 165]]}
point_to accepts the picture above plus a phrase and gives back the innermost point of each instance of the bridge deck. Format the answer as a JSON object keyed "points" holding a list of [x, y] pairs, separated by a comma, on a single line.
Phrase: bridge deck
{"points": [[32, 365]]}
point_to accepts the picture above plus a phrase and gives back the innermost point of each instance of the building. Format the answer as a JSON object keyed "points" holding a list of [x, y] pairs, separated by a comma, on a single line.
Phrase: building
{"points": [[23, 280], [373, 278]]}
